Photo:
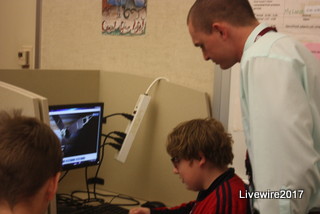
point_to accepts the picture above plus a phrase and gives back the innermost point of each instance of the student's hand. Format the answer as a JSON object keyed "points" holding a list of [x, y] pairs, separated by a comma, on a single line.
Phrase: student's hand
{"points": [[140, 210]]}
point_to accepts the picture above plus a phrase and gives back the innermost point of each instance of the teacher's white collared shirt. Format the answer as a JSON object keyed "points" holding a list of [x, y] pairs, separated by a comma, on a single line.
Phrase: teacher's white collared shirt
{"points": [[280, 100]]}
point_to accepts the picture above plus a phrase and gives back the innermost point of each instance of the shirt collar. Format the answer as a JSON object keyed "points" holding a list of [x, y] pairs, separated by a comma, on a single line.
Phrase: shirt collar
{"points": [[254, 35], [217, 182]]}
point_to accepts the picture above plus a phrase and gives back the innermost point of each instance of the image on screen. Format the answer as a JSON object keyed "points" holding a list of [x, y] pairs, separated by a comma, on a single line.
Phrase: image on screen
{"points": [[78, 128]]}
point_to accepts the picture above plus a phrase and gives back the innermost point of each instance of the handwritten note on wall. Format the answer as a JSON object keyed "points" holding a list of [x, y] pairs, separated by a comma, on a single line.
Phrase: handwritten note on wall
{"points": [[124, 17]]}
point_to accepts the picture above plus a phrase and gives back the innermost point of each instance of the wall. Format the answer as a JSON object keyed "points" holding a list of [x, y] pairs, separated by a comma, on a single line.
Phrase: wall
{"points": [[72, 39], [18, 28]]}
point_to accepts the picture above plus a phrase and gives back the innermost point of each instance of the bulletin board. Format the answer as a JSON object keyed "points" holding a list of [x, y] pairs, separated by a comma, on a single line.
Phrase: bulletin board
{"points": [[298, 18]]}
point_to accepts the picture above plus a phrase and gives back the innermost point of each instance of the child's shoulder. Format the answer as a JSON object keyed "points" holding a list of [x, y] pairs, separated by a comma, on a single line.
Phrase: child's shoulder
{"points": [[236, 180]]}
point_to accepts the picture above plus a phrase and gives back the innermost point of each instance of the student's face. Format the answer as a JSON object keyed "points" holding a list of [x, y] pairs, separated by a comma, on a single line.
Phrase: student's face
{"points": [[189, 173], [214, 47]]}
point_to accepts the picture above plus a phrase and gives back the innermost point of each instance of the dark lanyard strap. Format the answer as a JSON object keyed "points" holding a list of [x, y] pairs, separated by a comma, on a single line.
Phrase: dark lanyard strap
{"points": [[264, 31]]}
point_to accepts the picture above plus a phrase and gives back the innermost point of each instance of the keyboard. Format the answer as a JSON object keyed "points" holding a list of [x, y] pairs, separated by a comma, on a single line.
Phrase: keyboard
{"points": [[104, 208]]}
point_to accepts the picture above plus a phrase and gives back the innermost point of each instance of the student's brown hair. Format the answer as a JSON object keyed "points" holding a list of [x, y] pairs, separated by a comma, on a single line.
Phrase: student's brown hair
{"points": [[206, 136], [30, 154], [204, 13]]}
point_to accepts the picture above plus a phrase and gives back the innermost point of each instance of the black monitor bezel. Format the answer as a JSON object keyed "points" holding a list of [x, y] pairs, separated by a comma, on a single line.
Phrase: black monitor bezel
{"points": [[83, 105]]}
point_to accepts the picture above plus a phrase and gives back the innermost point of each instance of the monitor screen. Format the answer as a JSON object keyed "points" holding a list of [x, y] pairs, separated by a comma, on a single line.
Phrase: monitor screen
{"points": [[78, 126]]}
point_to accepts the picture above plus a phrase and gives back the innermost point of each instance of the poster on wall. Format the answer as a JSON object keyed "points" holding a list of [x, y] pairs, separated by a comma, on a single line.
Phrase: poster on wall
{"points": [[299, 18], [124, 17]]}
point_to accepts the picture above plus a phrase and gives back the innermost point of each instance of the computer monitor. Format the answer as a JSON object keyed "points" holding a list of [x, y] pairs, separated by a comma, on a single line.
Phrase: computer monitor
{"points": [[78, 126]]}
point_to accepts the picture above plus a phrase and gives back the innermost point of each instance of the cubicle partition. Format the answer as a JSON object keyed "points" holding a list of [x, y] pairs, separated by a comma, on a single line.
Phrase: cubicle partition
{"points": [[147, 173]]}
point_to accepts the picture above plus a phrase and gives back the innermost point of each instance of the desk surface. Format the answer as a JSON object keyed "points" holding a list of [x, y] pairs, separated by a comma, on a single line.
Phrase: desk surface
{"points": [[68, 202]]}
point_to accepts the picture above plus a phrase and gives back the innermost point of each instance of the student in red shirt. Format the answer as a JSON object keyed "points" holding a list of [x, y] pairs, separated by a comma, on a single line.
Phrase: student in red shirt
{"points": [[201, 151]]}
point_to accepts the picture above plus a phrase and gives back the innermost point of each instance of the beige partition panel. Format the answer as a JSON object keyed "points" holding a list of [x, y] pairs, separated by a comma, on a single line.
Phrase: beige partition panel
{"points": [[147, 173], [59, 86]]}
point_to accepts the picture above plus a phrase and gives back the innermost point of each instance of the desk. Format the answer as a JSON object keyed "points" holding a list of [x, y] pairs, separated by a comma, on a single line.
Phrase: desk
{"points": [[66, 203]]}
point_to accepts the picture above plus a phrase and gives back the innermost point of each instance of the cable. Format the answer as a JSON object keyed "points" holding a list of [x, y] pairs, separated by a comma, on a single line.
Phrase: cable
{"points": [[116, 146], [117, 139], [64, 175], [112, 196], [87, 184], [127, 116], [136, 202], [100, 162], [156, 80], [69, 200], [120, 134]]}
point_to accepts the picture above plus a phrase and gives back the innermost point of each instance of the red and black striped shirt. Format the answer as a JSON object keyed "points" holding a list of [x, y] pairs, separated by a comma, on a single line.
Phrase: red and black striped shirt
{"points": [[222, 197]]}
